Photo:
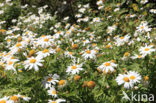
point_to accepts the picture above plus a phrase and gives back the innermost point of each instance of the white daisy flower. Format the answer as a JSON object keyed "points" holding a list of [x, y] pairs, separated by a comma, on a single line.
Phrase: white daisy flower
{"points": [[97, 19], [89, 54], [9, 56], [74, 68], [10, 65], [45, 41], [146, 50], [79, 20], [86, 6], [69, 54], [116, 9], [66, 18], [58, 34], [124, 79], [4, 99], [143, 1], [137, 56], [110, 29], [122, 40], [17, 47], [1, 12], [143, 27], [56, 101], [78, 15], [15, 98], [85, 19], [82, 10], [45, 53], [134, 77], [33, 62], [133, 15], [128, 79], [50, 80], [107, 67], [9, 32], [100, 7], [100, 2], [86, 42], [25, 98], [126, 56], [52, 92], [153, 11]]}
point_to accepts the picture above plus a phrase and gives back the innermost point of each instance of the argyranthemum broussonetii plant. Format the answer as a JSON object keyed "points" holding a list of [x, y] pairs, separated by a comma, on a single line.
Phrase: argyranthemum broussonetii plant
{"points": [[107, 52]]}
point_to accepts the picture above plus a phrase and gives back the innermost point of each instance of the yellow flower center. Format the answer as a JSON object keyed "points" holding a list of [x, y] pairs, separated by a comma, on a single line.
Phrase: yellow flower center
{"points": [[8, 40], [132, 77], [12, 57], [126, 79], [74, 67], [43, 36], [108, 46], [62, 82], [88, 51], [45, 50], [18, 45], [32, 60], [10, 62], [91, 36], [126, 54], [93, 44], [14, 98], [142, 27], [31, 52], [74, 46], [53, 102], [107, 64], [46, 40], [1, 54], [70, 53], [49, 79], [26, 32], [53, 92], [20, 71], [147, 49], [139, 56], [121, 37], [58, 32], [3, 101]]}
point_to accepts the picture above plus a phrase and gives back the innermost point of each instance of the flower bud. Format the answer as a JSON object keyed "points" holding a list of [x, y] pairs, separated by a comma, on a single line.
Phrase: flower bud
{"points": [[146, 78], [91, 84], [77, 77]]}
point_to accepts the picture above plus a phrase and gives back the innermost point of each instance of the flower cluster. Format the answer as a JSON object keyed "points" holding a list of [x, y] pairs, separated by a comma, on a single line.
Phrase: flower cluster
{"points": [[108, 49], [128, 79], [14, 99]]}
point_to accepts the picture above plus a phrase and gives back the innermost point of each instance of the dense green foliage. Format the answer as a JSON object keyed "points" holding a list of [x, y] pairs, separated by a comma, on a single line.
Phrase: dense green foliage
{"points": [[111, 44]]}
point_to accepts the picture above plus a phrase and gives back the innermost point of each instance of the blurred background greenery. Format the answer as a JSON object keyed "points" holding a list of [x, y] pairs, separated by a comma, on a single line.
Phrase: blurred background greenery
{"points": [[68, 9]]}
